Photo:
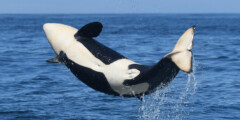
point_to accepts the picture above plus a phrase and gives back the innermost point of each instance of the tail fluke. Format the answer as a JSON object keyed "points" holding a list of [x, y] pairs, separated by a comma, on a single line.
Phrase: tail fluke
{"points": [[168, 67], [182, 54]]}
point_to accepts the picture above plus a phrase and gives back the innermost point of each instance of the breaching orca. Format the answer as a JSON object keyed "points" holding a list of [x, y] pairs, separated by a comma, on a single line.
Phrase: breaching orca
{"points": [[107, 71]]}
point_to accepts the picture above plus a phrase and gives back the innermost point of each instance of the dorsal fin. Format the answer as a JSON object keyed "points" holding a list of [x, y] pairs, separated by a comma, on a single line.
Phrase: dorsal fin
{"points": [[90, 30]]}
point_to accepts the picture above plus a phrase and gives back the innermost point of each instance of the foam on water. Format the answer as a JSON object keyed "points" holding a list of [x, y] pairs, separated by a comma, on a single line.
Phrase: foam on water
{"points": [[166, 104]]}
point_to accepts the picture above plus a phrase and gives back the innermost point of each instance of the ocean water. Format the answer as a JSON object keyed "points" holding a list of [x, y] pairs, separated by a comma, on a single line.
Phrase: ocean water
{"points": [[31, 88]]}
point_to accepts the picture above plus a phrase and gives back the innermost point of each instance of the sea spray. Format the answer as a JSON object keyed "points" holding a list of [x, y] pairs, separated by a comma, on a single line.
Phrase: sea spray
{"points": [[173, 102]]}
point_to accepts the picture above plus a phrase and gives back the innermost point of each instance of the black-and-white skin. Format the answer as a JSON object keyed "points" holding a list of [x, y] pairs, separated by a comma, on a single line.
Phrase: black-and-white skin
{"points": [[107, 71]]}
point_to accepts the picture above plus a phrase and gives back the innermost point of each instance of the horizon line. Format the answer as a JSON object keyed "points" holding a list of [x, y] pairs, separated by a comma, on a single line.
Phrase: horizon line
{"points": [[128, 13]]}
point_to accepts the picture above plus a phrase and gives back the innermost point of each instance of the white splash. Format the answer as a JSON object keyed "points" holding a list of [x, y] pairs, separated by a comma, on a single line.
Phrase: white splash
{"points": [[173, 102]]}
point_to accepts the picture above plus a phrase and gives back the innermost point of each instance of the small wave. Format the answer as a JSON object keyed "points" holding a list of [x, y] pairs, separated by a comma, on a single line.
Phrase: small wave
{"points": [[14, 112]]}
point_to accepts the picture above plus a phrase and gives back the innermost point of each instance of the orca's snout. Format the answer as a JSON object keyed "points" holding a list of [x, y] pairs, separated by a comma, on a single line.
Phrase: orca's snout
{"points": [[54, 30], [59, 36], [53, 34], [48, 27]]}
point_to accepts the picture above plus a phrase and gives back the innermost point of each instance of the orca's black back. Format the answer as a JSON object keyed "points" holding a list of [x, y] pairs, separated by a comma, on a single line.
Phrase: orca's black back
{"points": [[103, 53]]}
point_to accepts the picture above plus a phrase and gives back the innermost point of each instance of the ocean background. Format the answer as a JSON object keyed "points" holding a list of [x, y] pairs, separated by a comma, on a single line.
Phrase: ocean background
{"points": [[32, 89]]}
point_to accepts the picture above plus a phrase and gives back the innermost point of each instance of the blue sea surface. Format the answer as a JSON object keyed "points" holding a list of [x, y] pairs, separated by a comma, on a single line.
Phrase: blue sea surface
{"points": [[31, 88]]}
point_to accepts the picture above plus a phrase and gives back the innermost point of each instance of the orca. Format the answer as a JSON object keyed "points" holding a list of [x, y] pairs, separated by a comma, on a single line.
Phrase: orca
{"points": [[106, 70]]}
